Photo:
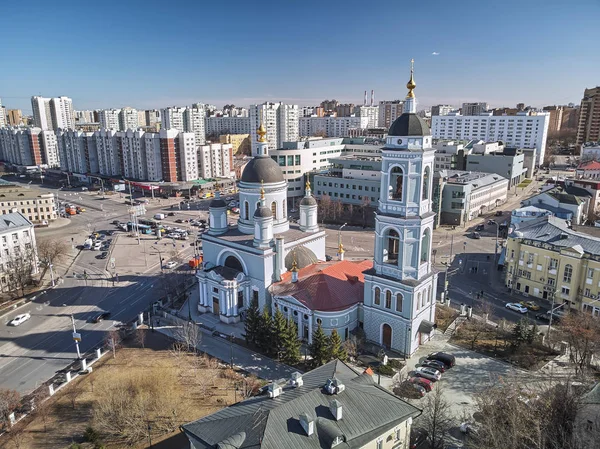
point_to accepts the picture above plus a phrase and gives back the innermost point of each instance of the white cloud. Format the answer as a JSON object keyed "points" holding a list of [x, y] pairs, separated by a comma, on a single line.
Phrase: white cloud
{"points": [[435, 53]]}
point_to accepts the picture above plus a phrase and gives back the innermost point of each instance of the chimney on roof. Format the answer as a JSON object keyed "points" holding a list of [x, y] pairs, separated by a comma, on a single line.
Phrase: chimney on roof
{"points": [[274, 390], [308, 423], [372, 97], [365, 99], [296, 379], [335, 407]]}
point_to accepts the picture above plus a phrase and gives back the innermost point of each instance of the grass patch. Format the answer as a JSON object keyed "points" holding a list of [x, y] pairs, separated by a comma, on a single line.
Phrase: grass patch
{"points": [[444, 317], [525, 183]]}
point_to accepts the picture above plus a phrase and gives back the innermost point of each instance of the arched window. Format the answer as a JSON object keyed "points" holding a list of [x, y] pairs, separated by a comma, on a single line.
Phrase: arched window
{"points": [[377, 296], [283, 208], [568, 273], [428, 295], [423, 299], [426, 183], [392, 247], [425, 244], [396, 184], [399, 299], [246, 210], [274, 210], [388, 299]]}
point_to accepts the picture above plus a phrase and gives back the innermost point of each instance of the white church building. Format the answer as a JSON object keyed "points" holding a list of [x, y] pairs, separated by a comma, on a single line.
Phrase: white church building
{"points": [[282, 264]]}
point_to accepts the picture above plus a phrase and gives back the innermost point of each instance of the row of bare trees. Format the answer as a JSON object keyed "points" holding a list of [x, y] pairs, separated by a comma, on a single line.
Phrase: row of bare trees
{"points": [[333, 209]]}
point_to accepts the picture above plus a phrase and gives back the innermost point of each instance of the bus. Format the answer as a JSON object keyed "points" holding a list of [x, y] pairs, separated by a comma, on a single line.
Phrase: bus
{"points": [[148, 222], [144, 229]]}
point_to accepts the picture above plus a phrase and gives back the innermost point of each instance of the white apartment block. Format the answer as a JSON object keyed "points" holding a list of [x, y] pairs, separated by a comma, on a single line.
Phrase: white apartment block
{"points": [[371, 113], [53, 113], [133, 154], [75, 149], [172, 118], [2, 115], [42, 117], [474, 108], [193, 122], [227, 125], [151, 148], [188, 157], [29, 147], [441, 109], [84, 116], [216, 161], [524, 130], [107, 145], [331, 126], [49, 149], [280, 120], [17, 240], [128, 119], [388, 112], [109, 118]]}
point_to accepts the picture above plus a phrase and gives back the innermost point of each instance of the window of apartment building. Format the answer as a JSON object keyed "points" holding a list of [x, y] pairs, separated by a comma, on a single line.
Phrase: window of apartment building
{"points": [[373, 199], [553, 264], [565, 290], [455, 205], [587, 292], [353, 187], [353, 197], [15, 237], [590, 273], [551, 281], [297, 159], [290, 161], [3, 239], [335, 194], [530, 258], [568, 273], [521, 254]]}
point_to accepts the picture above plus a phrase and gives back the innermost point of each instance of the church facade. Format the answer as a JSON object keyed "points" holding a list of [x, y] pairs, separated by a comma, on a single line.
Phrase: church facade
{"points": [[282, 265]]}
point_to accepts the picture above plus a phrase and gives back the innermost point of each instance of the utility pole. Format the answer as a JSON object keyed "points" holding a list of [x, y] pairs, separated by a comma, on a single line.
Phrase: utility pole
{"points": [[76, 337]]}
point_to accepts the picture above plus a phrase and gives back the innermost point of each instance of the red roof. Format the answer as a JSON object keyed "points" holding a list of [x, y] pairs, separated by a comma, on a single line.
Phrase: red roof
{"points": [[590, 165], [326, 286]]}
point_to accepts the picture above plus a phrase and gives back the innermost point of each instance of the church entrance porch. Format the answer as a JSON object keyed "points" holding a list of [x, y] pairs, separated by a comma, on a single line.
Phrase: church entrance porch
{"points": [[386, 336], [215, 308]]}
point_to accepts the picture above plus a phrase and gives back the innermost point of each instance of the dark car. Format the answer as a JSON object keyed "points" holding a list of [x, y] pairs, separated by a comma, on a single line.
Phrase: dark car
{"points": [[475, 235], [111, 232], [202, 221], [498, 213], [480, 227], [179, 220], [447, 359], [104, 255], [116, 222], [171, 214], [435, 364], [417, 437], [410, 390], [101, 237], [328, 258], [100, 317]]}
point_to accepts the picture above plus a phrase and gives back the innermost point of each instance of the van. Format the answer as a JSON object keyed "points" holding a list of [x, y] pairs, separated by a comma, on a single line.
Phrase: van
{"points": [[159, 216]]}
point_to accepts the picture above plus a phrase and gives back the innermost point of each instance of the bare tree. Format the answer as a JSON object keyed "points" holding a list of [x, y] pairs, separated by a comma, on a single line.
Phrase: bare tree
{"points": [[581, 331], [20, 267], [51, 251], [9, 402], [42, 406], [140, 337], [364, 207], [325, 206], [17, 436], [113, 341], [72, 393], [190, 334], [248, 386], [437, 418]]}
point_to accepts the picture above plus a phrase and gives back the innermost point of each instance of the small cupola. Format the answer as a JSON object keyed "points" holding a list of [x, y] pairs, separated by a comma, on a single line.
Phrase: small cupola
{"points": [[334, 386], [308, 423], [274, 390], [296, 379], [335, 407]]}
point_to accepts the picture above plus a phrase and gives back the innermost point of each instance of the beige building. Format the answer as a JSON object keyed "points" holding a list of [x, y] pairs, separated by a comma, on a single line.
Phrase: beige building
{"points": [[18, 250], [240, 143], [588, 128], [14, 117], [35, 205], [545, 260]]}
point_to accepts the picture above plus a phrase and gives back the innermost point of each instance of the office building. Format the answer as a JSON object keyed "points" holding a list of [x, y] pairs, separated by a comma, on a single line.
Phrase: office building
{"points": [[467, 195], [128, 119], [370, 113], [331, 126], [388, 112], [109, 119], [53, 113], [218, 126], [240, 143], [279, 119], [18, 251], [588, 128], [472, 108], [451, 155], [36, 205], [508, 163], [547, 260], [524, 130], [216, 161], [441, 109]]}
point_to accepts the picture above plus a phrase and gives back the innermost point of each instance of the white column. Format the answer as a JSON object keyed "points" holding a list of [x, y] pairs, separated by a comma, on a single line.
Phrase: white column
{"points": [[201, 293], [222, 302], [235, 302], [206, 295], [310, 318], [248, 296], [289, 313]]}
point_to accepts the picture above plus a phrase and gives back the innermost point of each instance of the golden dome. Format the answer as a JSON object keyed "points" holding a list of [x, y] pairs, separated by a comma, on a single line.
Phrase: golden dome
{"points": [[307, 186], [411, 83], [262, 132]]}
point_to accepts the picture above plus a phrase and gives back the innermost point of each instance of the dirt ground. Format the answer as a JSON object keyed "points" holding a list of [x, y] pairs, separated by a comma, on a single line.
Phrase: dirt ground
{"points": [[189, 387], [444, 317]]}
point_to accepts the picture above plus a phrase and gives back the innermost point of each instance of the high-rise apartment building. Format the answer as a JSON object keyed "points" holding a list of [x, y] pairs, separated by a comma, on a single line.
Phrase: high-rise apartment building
{"points": [[53, 113], [109, 118], [14, 117], [388, 112], [525, 130], [441, 109], [172, 118], [330, 105], [218, 126], [215, 161], [588, 128], [473, 108], [371, 113], [280, 120], [2, 115], [555, 118], [128, 119], [344, 110], [85, 117], [331, 126], [153, 117], [193, 122], [28, 147], [240, 143]]}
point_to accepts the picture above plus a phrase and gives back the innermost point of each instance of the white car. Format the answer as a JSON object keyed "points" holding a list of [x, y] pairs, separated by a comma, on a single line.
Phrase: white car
{"points": [[516, 307], [170, 265], [19, 319], [97, 245], [428, 373]]}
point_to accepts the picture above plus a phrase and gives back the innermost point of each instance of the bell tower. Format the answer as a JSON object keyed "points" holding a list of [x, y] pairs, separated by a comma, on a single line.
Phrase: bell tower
{"points": [[400, 289]]}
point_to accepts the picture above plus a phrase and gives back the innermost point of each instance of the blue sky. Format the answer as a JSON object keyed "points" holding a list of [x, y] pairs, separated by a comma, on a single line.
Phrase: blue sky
{"points": [[150, 54]]}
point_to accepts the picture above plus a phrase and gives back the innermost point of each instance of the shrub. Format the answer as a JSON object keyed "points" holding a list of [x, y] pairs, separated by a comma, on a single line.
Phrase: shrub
{"points": [[386, 370], [395, 363], [91, 435], [75, 446]]}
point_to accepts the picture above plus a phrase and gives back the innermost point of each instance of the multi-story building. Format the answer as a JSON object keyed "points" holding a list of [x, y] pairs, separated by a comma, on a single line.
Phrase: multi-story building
{"points": [[547, 260], [49, 148], [109, 119], [590, 151], [555, 119], [508, 163], [441, 109], [153, 118], [342, 110], [467, 195], [18, 250], [528, 213], [568, 202], [240, 143], [172, 118], [193, 122], [450, 155], [29, 147], [109, 152], [14, 117], [218, 126], [588, 128], [216, 161], [524, 130], [85, 117], [3, 119], [389, 111], [128, 119], [38, 206], [588, 170], [331, 105], [279, 119], [473, 108], [53, 113], [331, 126], [77, 151], [371, 113]]}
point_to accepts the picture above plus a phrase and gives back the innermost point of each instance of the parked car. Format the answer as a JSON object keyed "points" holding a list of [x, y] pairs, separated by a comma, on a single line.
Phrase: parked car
{"points": [[19, 319], [100, 317], [516, 307], [491, 222], [475, 235], [97, 246], [545, 316], [116, 222], [480, 227], [425, 383], [498, 213], [435, 364], [417, 437], [171, 214], [447, 359], [179, 220], [428, 373], [235, 210], [530, 305], [103, 255], [410, 390], [171, 264]]}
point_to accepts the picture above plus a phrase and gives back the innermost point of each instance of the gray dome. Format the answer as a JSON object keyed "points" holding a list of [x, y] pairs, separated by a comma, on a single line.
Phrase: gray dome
{"points": [[218, 202], [262, 169], [308, 201], [304, 257], [263, 212], [409, 124]]}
